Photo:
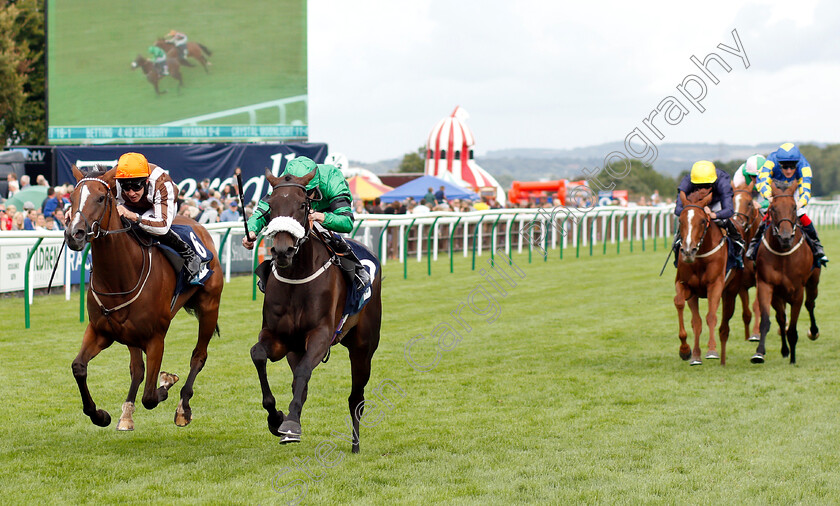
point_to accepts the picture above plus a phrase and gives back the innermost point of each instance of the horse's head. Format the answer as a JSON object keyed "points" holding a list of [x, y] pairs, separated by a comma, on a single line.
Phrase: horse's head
{"points": [[742, 202], [138, 62], [288, 226], [693, 222], [782, 212], [91, 204]]}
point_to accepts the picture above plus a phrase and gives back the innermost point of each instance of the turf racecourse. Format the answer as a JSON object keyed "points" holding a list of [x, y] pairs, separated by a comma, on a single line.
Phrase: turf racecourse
{"points": [[573, 393]]}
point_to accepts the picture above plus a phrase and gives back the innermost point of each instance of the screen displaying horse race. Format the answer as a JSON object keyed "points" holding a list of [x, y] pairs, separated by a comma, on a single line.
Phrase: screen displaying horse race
{"points": [[185, 71]]}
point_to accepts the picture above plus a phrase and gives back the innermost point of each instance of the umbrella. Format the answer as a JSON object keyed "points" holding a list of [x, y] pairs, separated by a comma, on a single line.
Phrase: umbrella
{"points": [[35, 194], [363, 189]]}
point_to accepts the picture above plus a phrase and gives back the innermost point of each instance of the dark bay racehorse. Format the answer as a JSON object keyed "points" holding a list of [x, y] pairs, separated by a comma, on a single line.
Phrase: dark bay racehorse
{"points": [[193, 49], [700, 273], [784, 271], [152, 74], [304, 299], [739, 281], [128, 299]]}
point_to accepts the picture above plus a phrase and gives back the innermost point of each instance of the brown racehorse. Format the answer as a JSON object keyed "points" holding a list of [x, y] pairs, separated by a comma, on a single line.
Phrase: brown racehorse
{"points": [[152, 74], [700, 272], [784, 270], [194, 50], [300, 317], [128, 299], [739, 281]]}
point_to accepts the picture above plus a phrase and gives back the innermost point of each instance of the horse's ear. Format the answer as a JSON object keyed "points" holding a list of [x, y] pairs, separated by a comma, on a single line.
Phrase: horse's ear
{"points": [[274, 181], [76, 173], [307, 178], [110, 177], [793, 187], [773, 187], [707, 198], [683, 199], [751, 185]]}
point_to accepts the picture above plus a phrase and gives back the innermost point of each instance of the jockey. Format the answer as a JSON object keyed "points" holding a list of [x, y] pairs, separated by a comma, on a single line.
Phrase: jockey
{"points": [[179, 40], [159, 59], [146, 197], [787, 164], [748, 173], [705, 175], [333, 211]]}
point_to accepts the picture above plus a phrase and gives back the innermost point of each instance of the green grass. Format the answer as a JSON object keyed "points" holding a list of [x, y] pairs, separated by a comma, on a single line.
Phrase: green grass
{"points": [[573, 394], [259, 54]]}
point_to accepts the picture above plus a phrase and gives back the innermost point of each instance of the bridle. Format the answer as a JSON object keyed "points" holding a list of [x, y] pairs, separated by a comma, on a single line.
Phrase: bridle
{"points": [[307, 227], [748, 220], [774, 226], [708, 222], [93, 230]]}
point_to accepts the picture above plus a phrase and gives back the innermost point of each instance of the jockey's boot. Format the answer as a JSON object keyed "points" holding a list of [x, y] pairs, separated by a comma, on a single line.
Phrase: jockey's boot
{"points": [[819, 252], [676, 245], [165, 69], [737, 241], [191, 261], [753, 247], [354, 265]]}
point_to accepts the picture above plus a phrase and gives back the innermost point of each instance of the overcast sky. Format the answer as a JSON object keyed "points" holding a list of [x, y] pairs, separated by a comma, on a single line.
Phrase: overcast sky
{"points": [[554, 74]]}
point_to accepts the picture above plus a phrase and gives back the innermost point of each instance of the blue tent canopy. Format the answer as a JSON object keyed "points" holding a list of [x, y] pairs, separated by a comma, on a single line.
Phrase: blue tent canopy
{"points": [[420, 186]]}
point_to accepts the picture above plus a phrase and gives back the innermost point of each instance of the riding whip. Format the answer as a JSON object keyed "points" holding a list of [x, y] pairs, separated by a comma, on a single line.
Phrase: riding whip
{"points": [[49, 286], [666, 261], [242, 203]]}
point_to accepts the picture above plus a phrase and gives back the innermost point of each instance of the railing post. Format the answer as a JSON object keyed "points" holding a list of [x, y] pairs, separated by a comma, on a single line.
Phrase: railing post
{"points": [[493, 240], [381, 233], [26, 298], [507, 239], [405, 248], [429, 243], [82, 283], [591, 224], [611, 225], [356, 228], [475, 236], [451, 237], [618, 238]]}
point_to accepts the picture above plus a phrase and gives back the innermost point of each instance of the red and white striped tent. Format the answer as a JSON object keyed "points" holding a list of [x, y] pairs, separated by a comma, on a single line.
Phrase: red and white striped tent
{"points": [[449, 156]]}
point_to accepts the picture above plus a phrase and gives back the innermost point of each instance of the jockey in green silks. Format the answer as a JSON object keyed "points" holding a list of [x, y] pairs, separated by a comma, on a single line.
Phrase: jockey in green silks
{"points": [[333, 211]]}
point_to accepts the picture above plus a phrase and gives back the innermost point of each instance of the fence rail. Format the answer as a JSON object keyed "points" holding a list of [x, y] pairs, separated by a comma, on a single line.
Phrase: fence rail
{"points": [[399, 237]]}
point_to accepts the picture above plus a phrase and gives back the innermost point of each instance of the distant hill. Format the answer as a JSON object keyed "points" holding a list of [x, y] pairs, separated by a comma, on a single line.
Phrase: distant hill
{"points": [[533, 164]]}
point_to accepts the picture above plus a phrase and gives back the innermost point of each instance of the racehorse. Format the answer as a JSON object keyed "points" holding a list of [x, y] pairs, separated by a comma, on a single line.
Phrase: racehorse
{"points": [[304, 298], [700, 272], [739, 281], [128, 299], [784, 270], [193, 49], [152, 74]]}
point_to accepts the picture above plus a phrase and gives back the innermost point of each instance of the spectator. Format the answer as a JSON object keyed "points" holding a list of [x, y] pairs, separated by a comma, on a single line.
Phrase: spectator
{"points": [[50, 223], [429, 198], [24, 181], [31, 217], [40, 222], [59, 218], [232, 212], [421, 208], [5, 219], [440, 195], [13, 188], [50, 204], [390, 208], [181, 199], [228, 192], [41, 180], [360, 208], [655, 200], [442, 206], [17, 221], [210, 214]]}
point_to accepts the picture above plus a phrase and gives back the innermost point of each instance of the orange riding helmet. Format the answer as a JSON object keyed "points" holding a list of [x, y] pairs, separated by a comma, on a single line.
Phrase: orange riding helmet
{"points": [[132, 166]]}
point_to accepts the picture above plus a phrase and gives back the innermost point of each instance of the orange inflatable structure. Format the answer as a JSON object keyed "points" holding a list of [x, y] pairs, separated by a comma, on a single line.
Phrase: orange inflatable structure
{"points": [[523, 191]]}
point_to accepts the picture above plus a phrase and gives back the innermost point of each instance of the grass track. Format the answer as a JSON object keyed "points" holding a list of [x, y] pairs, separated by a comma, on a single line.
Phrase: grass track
{"points": [[574, 393]]}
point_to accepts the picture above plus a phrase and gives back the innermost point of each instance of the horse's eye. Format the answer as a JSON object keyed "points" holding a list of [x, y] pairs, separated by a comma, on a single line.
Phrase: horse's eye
{"points": [[303, 205], [101, 199]]}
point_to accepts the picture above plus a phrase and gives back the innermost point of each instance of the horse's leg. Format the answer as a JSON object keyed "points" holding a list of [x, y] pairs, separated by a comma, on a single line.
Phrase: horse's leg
{"points": [[697, 327], [779, 308], [318, 342], [811, 292], [360, 358], [792, 333], [728, 311], [268, 348], [756, 331], [746, 315], [152, 395], [137, 369], [207, 320], [195, 52], [714, 296], [764, 292], [92, 344], [679, 303]]}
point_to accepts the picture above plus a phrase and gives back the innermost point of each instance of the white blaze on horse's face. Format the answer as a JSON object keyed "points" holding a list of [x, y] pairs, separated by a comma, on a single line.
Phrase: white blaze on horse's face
{"points": [[84, 193], [688, 232]]}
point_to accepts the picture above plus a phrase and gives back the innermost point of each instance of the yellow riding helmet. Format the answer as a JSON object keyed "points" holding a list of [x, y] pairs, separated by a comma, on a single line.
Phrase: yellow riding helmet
{"points": [[703, 172], [132, 165]]}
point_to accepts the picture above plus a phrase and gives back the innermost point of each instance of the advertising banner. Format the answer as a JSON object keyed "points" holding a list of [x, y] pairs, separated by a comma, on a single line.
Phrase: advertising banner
{"points": [[188, 165], [186, 71]]}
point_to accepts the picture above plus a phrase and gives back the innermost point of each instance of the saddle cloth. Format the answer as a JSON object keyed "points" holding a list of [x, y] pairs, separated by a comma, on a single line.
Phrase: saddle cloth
{"points": [[186, 233], [358, 298]]}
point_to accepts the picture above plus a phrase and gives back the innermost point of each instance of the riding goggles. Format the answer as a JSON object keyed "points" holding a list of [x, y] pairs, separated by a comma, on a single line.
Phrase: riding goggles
{"points": [[133, 184]]}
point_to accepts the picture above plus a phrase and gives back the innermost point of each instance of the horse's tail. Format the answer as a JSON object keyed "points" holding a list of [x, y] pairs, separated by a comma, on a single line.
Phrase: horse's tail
{"points": [[204, 48]]}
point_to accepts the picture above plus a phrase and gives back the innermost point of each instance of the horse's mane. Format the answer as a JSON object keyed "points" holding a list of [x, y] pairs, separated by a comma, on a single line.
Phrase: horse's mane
{"points": [[783, 185], [97, 170], [698, 195]]}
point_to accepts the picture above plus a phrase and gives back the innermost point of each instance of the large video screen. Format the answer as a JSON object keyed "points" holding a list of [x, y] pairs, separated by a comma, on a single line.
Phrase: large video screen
{"points": [[240, 75]]}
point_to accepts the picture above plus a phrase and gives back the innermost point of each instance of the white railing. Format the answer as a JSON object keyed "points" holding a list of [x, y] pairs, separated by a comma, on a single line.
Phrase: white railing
{"points": [[251, 110]]}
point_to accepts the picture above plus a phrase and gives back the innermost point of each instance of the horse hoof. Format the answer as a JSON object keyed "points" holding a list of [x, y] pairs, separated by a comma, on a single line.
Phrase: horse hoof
{"points": [[712, 355], [101, 418], [696, 361], [758, 358], [124, 425], [290, 429], [168, 379], [754, 338], [290, 438], [182, 418], [813, 337], [685, 354]]}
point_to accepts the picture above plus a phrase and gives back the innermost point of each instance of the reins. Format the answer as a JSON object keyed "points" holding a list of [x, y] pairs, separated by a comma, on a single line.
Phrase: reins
{"points": [[774, 230]]}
